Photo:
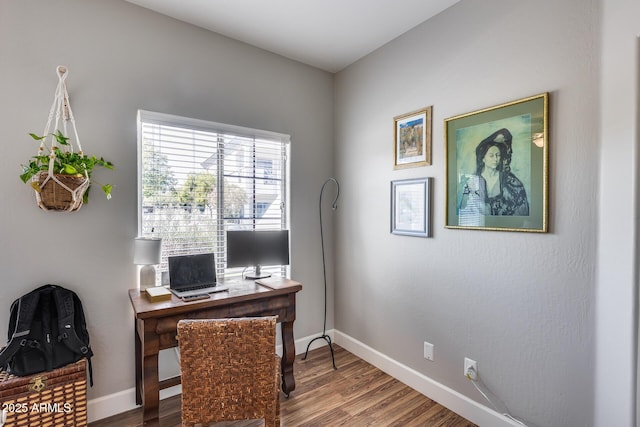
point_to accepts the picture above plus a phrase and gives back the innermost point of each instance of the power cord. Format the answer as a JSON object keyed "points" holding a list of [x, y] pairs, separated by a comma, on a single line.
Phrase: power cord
{"points": [[498, 405]]}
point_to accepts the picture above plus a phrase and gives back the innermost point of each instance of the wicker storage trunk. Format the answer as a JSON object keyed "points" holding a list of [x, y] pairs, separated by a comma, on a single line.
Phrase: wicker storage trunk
{"points": [[56, 398]]}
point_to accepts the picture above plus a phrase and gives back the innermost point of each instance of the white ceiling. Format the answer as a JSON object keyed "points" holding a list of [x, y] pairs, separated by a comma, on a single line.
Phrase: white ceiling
{"points": [[327, 34]]}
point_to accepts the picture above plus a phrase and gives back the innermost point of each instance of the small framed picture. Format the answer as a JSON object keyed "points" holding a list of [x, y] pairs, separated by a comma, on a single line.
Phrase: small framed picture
{"points": [[496, 167], [411, 207], [412, 141]]}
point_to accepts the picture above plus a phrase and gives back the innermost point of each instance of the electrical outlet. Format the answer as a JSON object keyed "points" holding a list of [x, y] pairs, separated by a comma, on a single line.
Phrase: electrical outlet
{"points": [[428, 351], [470, 363]]}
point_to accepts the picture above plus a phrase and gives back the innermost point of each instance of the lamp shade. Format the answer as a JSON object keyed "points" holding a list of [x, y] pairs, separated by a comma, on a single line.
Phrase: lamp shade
{"points": [[147, 251]]}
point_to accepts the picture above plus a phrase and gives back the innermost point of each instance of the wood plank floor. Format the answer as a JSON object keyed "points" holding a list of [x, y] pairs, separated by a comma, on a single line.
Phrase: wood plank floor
{"points": [[357, 394]]}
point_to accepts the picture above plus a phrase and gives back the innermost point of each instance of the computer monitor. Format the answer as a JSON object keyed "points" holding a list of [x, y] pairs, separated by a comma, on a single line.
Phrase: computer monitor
{"points": [[255, 248]]}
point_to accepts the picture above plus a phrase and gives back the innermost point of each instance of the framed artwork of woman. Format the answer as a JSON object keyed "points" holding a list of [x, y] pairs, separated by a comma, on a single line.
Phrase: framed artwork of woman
{"points": [[496, 167]]}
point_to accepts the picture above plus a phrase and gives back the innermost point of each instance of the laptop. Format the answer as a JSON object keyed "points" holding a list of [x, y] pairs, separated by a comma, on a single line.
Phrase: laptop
{"points": [[193, 275]]}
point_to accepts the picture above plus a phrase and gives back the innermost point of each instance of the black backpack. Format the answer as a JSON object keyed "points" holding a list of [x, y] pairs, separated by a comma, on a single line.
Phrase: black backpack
{"points": [[47, 330]]}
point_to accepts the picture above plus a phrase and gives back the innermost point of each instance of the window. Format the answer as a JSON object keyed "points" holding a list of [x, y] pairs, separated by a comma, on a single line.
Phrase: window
{"points": [[197, 179]]}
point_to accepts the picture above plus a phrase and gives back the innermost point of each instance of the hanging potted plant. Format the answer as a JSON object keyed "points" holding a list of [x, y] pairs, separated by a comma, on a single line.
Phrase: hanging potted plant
{"points": [[61, 176]]}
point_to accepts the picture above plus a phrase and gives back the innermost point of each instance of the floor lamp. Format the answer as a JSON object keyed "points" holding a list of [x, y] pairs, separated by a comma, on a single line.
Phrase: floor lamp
{"points": [[324, 335]]}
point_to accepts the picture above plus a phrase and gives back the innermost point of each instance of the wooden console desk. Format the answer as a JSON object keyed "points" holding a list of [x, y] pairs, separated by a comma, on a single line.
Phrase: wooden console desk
{"points": [[156, 325]]}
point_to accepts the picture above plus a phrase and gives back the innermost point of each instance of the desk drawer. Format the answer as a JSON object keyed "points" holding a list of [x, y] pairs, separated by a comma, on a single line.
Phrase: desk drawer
{"points": [[280, 306]]}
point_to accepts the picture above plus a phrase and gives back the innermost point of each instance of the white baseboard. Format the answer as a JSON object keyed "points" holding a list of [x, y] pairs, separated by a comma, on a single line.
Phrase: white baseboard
{"points": [[483, 416], [447, 397], [122, 401]]}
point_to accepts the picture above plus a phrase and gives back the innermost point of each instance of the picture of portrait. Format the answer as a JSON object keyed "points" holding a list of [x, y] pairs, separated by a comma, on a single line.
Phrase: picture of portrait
{"points": [[494, 169], [497, 173]]}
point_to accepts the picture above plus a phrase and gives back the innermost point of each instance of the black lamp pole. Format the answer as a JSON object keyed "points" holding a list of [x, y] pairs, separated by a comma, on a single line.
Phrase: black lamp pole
{"points": [[324, 335]]}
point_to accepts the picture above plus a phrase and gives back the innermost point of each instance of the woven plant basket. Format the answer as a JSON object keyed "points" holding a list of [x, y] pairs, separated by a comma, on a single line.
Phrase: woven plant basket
{"points": [[60, 192]]}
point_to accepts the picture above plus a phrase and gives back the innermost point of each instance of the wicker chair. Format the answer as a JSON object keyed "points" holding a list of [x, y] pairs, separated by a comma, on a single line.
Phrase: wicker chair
{"points": [[229, 370]]}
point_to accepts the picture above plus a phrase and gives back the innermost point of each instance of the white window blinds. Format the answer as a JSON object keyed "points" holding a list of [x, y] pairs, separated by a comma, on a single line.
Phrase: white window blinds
{"points": [[198, 179]]}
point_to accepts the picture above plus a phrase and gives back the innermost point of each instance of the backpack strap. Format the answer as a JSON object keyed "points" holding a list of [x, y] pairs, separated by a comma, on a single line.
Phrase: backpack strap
{"points": [[24, 315], [66, 305]]}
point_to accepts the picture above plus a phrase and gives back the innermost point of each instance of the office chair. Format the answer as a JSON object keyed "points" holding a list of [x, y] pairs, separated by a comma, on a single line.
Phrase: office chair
{"points": [[229, 370]]}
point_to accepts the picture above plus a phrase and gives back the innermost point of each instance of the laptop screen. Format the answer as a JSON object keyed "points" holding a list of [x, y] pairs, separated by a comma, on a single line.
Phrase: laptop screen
{"points": [[192, 270]]}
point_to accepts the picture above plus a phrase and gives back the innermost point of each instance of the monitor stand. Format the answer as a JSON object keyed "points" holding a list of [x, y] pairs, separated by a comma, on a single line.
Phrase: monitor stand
{"points": [[257, 274]]}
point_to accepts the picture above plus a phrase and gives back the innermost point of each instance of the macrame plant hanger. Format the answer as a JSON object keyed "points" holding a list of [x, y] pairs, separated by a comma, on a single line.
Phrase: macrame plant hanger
{"points": [[55, 191]]}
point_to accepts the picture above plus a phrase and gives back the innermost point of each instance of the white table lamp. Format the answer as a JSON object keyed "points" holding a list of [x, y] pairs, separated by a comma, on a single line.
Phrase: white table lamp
{"points": [[147, 252]]}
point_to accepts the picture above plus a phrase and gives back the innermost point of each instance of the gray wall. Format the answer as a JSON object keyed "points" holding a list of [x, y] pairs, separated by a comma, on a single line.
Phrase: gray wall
{"points": [[540, 313], [520, 304], [122, 58]]}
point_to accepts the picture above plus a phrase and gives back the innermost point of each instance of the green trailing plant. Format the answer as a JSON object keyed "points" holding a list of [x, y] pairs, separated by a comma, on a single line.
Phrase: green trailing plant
{"points": [[66, 162]]}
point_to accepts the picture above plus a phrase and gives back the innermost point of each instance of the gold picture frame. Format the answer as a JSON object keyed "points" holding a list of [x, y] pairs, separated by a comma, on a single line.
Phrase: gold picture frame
{"points": [[497, 167], [412, 139]]}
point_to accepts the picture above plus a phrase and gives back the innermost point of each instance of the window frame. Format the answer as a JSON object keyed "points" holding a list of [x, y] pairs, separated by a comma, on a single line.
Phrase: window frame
{"points": [[163, 119]]}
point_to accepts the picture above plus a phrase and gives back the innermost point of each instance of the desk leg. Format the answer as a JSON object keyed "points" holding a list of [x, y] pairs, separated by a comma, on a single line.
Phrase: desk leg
{"points": [[138, 347], [151, 390], [288, 357], [148, 349]]}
